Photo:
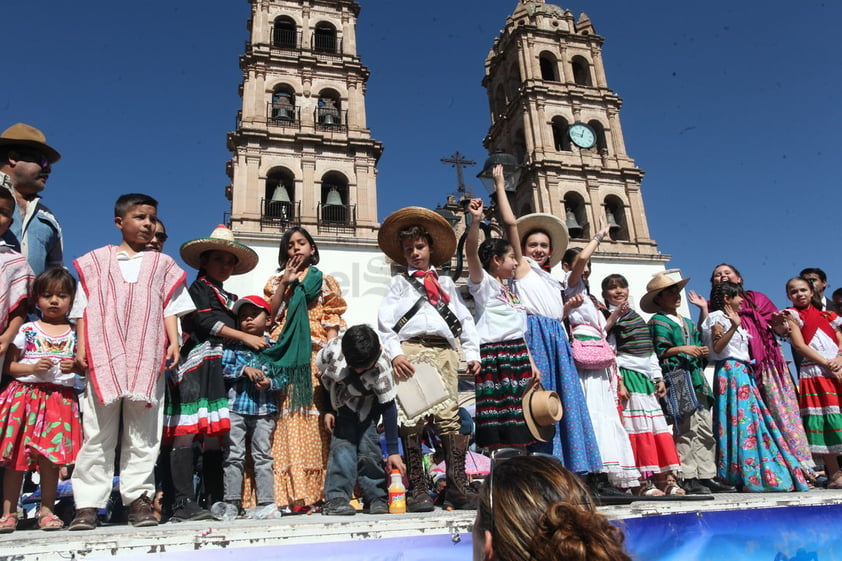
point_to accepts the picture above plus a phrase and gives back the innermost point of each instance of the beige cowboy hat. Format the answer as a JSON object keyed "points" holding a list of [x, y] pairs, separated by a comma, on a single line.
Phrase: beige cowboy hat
{"points": [[21, 134], [554, 228], [444, 239], [541, 410], [221, 239], [659, 282]]}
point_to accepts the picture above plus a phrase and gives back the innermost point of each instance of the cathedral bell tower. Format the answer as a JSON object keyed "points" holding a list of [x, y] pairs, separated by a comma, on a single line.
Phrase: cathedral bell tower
{"points": [[551, 108]]}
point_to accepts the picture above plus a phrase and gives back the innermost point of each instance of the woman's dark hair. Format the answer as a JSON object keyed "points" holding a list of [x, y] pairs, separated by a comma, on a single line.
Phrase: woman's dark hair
{"points": [[543, 512], [614, 280], [283, 248], [737, 271], [570, 255], [492, 247], [56, 276], [721, 291]]}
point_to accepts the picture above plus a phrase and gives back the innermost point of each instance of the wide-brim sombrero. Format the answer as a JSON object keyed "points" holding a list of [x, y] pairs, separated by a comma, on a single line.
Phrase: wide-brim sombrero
{"points": [[541, 410], [439, 229], [221, 239], [659, 282], [552, 225], [21, 134]]}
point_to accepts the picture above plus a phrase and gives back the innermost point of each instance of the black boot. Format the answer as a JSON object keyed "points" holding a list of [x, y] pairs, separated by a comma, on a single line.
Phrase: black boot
{"points": [[418, 495], [603, 492], [459, 495], [212, 477], [184, 507]]}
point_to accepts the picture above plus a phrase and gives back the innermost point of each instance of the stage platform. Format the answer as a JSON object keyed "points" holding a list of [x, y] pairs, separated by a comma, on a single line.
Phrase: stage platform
{"points": [[393, 536]]}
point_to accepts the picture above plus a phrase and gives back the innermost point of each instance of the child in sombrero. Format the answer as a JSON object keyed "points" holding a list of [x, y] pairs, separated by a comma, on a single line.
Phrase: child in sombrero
{"points": [[421, 318], [197, 402]]}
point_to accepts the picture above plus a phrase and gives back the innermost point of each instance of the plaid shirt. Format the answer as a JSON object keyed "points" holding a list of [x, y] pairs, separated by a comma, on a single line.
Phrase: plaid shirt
{"points": [[243, 396]]}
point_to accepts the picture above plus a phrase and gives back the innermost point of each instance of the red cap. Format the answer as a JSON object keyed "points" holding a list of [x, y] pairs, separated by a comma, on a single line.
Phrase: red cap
{"points": [[255, 300]]}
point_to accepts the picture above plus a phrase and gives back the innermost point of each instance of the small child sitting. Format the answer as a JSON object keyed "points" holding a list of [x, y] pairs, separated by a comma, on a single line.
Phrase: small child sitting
{"points": [[253, 406], [357, 378]]}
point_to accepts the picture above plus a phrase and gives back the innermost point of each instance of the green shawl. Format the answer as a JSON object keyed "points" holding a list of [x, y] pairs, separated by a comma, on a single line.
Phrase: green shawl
{"points": [[290, 355]]}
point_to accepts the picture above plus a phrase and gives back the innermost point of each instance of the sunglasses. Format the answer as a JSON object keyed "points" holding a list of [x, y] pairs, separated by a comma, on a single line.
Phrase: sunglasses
{"points": [[33, 157], [501, 455], [161, 236]]}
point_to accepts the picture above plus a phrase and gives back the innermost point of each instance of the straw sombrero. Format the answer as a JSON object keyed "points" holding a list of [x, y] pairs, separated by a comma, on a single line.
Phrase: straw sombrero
{"points": [[550, 224], [541, 411], [21, 134], [221, 239], [444, 239], [659, 282]]}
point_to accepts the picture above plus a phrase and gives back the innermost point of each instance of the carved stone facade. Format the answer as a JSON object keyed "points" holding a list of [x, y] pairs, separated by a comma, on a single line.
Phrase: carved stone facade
{"points": [[302, 153], [543, 74]]}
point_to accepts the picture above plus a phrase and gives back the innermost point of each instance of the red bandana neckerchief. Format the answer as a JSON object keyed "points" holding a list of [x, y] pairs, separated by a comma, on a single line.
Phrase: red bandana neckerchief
{"points": [[434, 290]]}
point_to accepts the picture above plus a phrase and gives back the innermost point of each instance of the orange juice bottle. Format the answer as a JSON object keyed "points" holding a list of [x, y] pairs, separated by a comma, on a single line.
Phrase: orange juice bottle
{"points": [[397, 494]]}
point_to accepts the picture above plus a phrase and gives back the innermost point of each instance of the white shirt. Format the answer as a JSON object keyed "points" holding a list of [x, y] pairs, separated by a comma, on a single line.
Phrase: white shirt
{"points": [[427, 321], [540, 293], [498, 317], [179, 305], [737, 347], [585, 319], [821, 342]]}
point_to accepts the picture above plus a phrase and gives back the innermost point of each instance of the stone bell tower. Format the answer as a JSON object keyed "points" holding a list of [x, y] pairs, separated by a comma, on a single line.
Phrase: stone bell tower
{"points": [[302, 154], [552, 108]]}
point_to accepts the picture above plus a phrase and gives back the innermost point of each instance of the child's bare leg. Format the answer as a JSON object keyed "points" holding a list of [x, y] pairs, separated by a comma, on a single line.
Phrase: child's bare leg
{"points": [[831, 467], [12, 481], [49, 483]]}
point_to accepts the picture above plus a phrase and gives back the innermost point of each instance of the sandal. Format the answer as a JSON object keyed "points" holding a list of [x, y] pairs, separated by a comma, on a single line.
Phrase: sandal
{"points": [[8, 523], [49, 522], [835, 482], [648, 489]]}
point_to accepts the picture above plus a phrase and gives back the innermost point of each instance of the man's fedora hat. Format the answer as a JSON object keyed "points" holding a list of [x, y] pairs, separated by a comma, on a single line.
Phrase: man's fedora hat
{"points": [[23, 135]]}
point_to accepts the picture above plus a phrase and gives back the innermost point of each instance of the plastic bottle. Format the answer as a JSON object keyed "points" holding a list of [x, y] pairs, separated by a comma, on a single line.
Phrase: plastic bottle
{"points": [[397, 494]]}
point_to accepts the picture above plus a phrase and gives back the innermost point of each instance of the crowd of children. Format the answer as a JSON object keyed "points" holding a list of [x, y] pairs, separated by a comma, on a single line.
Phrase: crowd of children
{"points": [[284, 405]]}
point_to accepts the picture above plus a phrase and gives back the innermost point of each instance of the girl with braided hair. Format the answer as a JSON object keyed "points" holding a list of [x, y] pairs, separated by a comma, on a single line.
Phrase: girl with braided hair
{"points": [[533, 509], [751, 451]]}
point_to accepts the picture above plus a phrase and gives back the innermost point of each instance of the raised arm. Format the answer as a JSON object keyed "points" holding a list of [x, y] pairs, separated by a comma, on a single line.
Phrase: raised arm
{"points": [[509, 222], [475, 272], [577, 268]]}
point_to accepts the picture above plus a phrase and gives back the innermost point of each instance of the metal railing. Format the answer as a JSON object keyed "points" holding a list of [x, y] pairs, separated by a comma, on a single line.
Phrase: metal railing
{"points": [[336, 218], [286, 39], [283, 115], [331, 119], [280, 215]]}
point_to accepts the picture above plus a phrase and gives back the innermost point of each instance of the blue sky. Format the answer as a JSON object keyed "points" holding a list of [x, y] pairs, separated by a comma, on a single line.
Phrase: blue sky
{"points": [[731, 109]]}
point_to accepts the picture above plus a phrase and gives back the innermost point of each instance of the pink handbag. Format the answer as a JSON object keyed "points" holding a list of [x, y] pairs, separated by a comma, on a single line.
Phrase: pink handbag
{"points": [[592, 355]]}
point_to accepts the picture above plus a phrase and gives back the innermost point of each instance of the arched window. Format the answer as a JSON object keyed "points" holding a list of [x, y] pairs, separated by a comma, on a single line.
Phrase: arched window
{"points": [[282, 110], [561, 138], [615, 214], [549, 67], [575, 216], [284, 34], [333, 207], [324, 38], [581, 71], [279, 198], [500, 102], [513, 83], [519, 146], [329, 109], [601, 142]]}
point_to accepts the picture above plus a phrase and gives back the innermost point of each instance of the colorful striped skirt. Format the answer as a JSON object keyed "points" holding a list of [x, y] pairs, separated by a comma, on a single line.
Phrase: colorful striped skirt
{"points": [[503, 379], [650, 437], [819, 399]]}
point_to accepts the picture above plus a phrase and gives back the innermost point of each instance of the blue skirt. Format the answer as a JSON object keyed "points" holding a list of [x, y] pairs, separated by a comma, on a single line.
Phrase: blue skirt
{"points": [[574, 442]]}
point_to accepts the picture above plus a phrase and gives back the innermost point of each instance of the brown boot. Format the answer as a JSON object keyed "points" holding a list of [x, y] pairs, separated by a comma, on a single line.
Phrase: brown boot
{"points": [[418, 495], [459, 495]]}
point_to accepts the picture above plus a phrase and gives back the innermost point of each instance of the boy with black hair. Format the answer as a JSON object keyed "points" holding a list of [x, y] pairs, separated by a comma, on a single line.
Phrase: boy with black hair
{"points": [[423, 319], [127, 310], [357, 379]]}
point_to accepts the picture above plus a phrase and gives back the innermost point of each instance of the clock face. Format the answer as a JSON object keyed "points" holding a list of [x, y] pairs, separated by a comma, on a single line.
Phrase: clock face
{"points": [[582, 135]]}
